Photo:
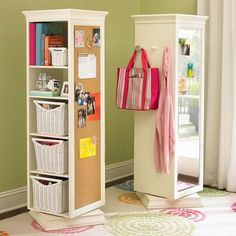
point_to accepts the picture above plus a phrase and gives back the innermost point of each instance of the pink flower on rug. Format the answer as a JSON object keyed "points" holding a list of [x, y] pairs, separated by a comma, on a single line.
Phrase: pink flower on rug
{"points": [[233, 207], [190, 214], [72, 230]]}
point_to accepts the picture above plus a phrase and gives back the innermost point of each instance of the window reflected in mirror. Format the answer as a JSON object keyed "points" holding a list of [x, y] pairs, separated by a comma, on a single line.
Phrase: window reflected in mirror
{"points": [[188, 108]]}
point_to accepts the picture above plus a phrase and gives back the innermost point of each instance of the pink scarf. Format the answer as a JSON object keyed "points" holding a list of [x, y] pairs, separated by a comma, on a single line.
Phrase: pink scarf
{"points": [[165, 131]]}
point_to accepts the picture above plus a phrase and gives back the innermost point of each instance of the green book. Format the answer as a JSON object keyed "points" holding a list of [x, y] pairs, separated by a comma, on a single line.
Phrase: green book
{"points": [[44, 93]]}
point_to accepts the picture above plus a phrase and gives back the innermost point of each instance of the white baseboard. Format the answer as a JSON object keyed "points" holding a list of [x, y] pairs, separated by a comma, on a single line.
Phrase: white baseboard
{"points": [[13, 199], [119, 170], [17, 198]]}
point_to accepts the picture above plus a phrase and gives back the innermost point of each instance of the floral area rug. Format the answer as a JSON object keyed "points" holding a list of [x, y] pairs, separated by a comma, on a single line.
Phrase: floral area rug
{"points": [[127, 216]]}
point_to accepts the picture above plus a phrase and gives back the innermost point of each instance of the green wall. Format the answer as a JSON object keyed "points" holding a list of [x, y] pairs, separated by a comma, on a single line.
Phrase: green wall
{"points": [[168, 6], [119, 45]]}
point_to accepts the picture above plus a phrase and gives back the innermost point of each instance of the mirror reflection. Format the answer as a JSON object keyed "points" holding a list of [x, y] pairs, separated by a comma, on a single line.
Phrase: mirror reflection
{"points": [[188, 108]]}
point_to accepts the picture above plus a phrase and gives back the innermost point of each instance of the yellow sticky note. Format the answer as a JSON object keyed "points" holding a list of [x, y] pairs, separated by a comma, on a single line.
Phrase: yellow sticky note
{"points": [[87, 148]]}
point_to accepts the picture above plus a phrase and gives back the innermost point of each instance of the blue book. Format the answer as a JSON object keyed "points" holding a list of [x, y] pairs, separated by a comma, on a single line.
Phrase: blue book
{"points": [[40, 33]]}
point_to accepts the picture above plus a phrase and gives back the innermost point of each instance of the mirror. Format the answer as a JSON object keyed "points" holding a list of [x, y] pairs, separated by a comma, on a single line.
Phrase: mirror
{"points": [[189, 85]]}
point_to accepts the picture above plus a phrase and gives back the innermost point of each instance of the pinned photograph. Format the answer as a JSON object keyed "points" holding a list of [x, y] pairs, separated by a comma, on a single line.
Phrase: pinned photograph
{"points": [[96, 107], [86, 96], [185, 46], [182, 42], [78, 93], [90, 105], [82, 118], [186, 50], [96, 38], [79, 38], [81, 97]]}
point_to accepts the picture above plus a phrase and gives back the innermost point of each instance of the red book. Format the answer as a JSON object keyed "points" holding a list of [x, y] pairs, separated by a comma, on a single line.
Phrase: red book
{"points": [[52, 41], [32, 43]]}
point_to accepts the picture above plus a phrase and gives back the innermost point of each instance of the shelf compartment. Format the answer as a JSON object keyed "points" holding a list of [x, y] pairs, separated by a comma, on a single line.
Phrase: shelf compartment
{"points": [[51, 98], [49, 174], [49, 67], [51, 117], [57, 73], [51, 155], [49, 136], [50, 194]]}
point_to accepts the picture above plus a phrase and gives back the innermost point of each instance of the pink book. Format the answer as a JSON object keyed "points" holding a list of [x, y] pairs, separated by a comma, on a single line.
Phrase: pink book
{"points": [[32, 43]]}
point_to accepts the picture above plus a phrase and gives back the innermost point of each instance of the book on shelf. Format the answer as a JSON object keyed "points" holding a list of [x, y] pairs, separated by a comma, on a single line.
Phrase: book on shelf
{"points": [[42, 53], [51, 222], [32, 44], [40, 31], [151, 201], [51, 41], [44, 93]]}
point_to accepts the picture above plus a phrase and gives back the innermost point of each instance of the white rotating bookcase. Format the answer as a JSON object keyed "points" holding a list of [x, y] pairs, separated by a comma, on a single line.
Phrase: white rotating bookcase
{"points": [[80, 187]]}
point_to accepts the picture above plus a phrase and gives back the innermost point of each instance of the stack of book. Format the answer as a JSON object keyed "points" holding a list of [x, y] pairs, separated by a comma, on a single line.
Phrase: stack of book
{"points": [[41, 37]]}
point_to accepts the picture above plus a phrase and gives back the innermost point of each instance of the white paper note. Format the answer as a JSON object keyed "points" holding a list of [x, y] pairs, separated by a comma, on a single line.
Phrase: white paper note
{"points": [[87, 66]]}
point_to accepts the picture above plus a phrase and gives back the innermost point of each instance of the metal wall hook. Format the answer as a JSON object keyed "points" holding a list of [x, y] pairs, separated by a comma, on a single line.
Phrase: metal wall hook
{"points": [[137, 48]]}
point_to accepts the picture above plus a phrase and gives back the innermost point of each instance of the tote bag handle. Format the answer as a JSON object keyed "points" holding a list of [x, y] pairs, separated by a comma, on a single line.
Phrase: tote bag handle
{"points": [[145, 66], [145, 62]]}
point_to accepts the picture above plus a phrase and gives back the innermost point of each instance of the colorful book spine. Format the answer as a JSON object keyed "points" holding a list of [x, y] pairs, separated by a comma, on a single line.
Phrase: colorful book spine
{"points": [[41, 29], [32, 43], [39, 32], [51, 41], [42, 56]]}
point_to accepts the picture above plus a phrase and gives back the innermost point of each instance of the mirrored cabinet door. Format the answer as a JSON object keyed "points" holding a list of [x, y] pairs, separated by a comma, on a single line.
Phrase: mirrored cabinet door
{"points": [[189, 107]]}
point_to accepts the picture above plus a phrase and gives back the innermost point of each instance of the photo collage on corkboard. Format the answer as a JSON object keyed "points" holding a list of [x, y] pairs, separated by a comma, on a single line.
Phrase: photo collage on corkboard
{"points": [[88, 102], [87, 44], [88, 105]]}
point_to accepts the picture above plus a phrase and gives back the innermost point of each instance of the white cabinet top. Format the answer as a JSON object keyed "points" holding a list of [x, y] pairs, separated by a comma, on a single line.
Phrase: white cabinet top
{"points": [[64, 14], [169, 18]]}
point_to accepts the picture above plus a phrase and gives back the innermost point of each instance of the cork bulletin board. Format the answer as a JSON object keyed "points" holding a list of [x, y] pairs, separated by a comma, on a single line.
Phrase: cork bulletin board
{"points": [[87, 115]]}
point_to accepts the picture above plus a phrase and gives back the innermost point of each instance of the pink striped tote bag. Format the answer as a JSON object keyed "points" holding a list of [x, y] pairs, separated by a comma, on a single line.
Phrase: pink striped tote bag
{"points": [[137, 88]]}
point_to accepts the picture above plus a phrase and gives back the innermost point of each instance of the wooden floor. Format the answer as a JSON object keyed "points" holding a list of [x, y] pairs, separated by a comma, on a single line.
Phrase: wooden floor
{"points": [[13, 213], [109, 184], [24, 209]]}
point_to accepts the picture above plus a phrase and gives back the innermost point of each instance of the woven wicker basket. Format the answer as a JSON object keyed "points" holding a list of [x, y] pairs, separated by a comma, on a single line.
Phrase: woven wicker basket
{"points": [[51, 118], [50, 194], [51, 155]]}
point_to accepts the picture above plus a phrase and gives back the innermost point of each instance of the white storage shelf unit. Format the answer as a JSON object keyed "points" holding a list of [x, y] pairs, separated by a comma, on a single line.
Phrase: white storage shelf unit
{"points": [[64, 180], [154, 33]]}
